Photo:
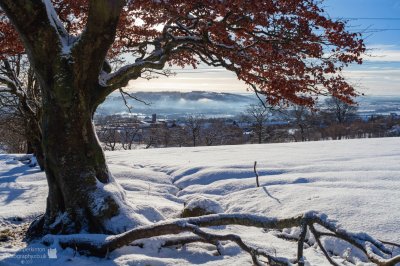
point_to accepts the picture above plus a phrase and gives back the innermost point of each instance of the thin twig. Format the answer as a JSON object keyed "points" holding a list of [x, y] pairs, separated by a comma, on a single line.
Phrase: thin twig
{"points": [[317, 239], [255, 172], [300, 244], [125, 94], [390, 243]]}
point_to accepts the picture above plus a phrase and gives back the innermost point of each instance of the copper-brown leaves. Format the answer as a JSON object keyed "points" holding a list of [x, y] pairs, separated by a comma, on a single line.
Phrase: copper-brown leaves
{"points": [[288, 50], [9, 41]]}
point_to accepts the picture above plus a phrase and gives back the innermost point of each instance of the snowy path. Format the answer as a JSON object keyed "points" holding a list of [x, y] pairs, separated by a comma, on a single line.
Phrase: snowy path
{"points": [[356, 182]]}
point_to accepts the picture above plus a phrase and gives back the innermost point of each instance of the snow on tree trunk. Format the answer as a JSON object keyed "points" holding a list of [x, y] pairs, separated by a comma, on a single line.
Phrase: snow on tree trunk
{"points": [[83, 196]]}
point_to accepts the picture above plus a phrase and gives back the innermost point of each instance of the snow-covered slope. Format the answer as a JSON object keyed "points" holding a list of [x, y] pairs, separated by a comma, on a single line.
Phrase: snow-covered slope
{"points": [[356, 182]]}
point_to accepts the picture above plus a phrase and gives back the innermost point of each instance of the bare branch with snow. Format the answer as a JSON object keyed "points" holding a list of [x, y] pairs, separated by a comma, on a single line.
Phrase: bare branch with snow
{"points": [[375, 250]]}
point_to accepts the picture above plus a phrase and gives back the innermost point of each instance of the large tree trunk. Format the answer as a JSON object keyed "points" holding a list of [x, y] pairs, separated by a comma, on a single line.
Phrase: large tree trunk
{"points": [[83, 195]]}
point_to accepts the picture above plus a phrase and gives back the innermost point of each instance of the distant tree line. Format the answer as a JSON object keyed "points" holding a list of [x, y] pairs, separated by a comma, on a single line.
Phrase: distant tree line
{"points": [[116, 132], [334, 120]]}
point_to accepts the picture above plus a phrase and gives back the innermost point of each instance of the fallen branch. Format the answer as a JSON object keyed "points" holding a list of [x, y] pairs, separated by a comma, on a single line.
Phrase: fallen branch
{"points": [[317, 239], [375, 250]]}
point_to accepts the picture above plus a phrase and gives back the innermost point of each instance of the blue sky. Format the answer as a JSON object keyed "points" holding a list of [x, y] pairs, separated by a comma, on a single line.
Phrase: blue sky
{"points": [[380, 22], [379, 75], [369, 15]]}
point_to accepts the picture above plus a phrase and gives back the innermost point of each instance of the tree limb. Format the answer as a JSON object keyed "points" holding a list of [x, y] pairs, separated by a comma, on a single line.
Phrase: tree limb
{"points": [[90, 50], [35, 20], [375, 254]]}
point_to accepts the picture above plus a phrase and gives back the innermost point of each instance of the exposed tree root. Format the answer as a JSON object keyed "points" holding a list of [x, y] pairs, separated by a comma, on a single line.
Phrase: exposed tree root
{"points": [[316, 224]]}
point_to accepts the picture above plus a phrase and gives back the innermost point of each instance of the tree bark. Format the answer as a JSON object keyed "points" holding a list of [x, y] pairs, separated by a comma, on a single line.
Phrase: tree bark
{"points": [[259, 133], [29, 147], [34, 146], [83, 196], [75, 166], [302, 132], [194, 139], [33, 136]]}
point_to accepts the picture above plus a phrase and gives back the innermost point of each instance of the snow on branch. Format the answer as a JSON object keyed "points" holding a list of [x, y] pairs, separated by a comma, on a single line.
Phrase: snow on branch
{"points": [[55, 21], [8, 82], [133, 71], [314, 223], [165, 47]]}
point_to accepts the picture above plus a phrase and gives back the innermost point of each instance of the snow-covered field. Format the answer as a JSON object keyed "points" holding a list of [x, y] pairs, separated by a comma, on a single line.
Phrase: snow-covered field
{"points": [[356, 182]]}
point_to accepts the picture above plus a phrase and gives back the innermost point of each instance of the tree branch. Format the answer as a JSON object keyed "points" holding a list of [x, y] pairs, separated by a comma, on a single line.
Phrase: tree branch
{"points": [[37, 23], [122, 76], [374, 249], [91, 49]]}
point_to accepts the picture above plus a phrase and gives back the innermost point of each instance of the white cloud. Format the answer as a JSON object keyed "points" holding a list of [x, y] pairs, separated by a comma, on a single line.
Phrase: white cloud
{"points": [[382, 53], [375, 81]]}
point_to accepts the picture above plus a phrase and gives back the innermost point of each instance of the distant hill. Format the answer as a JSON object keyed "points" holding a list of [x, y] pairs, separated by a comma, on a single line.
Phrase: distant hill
{"points": [[173, 103], [188, 96]]}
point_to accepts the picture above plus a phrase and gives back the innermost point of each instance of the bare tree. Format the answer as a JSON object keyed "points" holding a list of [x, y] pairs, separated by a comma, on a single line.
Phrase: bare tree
{"points": [[128, 136], [164, 135], [303, 118], [129, 133], [337, 114], [179, 136], [12, 134], [213, 132], [109, 130], [20, 98], [110, 137], [258, 115], [194, 125], [341, 112], [233, 135]]}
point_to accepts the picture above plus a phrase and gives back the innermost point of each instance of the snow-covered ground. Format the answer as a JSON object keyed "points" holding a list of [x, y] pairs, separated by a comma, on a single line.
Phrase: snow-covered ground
{"points": [[356, 182]]}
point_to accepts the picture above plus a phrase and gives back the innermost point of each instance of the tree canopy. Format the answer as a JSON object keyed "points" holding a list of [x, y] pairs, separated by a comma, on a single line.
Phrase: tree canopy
{"points": [[286, 50]]}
